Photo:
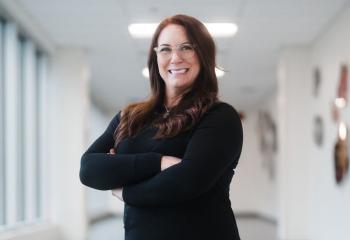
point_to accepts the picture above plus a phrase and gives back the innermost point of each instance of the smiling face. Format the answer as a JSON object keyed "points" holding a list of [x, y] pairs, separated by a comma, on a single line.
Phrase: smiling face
{"points": [[178, 73]]}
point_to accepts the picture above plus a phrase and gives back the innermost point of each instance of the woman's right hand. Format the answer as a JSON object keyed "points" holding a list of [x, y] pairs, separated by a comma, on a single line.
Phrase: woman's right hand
{"points": [[168, 161]]}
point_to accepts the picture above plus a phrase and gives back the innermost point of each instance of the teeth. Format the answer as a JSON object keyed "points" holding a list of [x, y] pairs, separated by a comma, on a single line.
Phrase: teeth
{"points": [[183, 70]]}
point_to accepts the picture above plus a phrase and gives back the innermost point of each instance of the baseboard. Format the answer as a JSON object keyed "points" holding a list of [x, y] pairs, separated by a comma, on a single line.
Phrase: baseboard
{"points": [[241, 215], [254, 215], [33, 232], [102, 216]]}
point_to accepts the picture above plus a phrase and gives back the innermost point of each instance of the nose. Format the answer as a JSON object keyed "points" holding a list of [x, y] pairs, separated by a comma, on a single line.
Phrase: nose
{"points": [[175, 57]]}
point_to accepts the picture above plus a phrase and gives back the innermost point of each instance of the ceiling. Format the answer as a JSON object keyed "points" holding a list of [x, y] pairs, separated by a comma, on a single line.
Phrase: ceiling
{"points": [[250, 57]]}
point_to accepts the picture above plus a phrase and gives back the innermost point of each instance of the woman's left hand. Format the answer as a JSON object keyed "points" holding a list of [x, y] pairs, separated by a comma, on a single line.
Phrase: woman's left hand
{"points": [[118, 192]]}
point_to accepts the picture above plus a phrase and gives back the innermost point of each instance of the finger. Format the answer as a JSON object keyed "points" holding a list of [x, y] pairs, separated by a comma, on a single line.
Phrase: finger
{"points": [[111, 151]]}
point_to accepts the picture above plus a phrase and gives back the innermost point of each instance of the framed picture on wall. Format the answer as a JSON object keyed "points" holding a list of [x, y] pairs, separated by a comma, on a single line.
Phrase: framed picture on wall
{"points": [[318, 130], [267, 132], [341, 154], [316, 81]]}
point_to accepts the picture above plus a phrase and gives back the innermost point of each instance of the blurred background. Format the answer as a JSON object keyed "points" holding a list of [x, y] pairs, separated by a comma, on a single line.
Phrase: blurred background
{"points": [[67, 67]]}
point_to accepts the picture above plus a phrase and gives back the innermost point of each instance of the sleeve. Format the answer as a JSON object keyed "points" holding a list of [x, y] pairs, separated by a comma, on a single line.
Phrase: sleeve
{"points": [[104, 171], [214, 146]]}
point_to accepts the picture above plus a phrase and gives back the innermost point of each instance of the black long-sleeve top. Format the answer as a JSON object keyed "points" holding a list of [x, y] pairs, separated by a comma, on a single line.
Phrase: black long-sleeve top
{"points": [[187, 201]]}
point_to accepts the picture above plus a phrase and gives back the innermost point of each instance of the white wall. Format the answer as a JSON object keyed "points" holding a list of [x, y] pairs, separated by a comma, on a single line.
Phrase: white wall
{"points": [[69, 102], [313, 206], [294, 168], [331, 209], [253, 191]]}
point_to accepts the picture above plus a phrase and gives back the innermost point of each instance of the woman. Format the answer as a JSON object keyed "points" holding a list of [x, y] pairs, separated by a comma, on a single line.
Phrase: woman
{"points": [[172, 157]]}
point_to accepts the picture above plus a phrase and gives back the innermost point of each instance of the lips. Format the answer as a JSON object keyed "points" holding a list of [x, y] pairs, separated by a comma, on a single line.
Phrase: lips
{"points": [[178, 71]]}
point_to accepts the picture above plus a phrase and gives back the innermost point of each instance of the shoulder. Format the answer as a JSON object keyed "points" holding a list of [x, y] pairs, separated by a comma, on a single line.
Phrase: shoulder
{"points": [[119, 116], [222, 120], [221, 116], [222, 106], [222, 111], [113, 124]]}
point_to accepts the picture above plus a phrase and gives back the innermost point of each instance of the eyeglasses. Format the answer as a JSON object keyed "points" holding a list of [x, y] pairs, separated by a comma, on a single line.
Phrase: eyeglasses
{"points": [[185, 51]]}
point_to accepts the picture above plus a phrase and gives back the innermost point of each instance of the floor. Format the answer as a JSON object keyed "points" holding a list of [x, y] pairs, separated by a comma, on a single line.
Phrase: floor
{"points": [[249, 228]]}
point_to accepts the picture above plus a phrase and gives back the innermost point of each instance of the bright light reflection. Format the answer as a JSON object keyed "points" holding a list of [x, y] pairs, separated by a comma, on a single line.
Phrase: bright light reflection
{"points": [[145, 72], [340, 102], [342, 131], [219, 73]]}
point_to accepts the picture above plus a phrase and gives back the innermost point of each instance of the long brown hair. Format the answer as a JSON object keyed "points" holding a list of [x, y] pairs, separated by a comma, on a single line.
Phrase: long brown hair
{"points": [[193, 104]]}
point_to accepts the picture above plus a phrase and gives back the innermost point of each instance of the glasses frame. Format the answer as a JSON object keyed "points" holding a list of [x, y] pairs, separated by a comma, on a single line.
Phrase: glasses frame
{"points": [[175, 48]]}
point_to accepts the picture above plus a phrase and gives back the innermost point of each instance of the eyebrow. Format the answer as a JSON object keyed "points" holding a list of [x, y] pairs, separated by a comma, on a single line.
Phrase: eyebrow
{"points": [[166, 44]]}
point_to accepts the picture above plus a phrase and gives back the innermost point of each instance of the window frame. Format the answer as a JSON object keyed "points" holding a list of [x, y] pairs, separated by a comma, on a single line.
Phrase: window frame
{"points": [[23, 133], [2, 126]]}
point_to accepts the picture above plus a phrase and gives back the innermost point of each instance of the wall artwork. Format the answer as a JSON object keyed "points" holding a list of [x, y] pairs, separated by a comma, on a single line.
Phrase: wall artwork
{"points": [[268, 141], [341, 99], [341, 154], [341, 148], [316, 81], [343, 83], [335, 112], [318, 130]]}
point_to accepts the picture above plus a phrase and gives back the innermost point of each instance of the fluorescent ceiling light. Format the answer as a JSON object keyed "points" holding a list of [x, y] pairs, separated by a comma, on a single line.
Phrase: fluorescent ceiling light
{"points": [[222, 29], [142, 30], [219, 73], [146, 30]]}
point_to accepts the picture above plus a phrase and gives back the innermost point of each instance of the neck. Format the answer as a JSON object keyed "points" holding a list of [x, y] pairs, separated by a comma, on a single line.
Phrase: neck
{"points": [[171, 100]]}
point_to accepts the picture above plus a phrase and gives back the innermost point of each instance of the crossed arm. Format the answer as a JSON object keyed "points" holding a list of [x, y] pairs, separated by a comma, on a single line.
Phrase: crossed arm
{"points": [[150, 179], [102, 169], [214, 147]]}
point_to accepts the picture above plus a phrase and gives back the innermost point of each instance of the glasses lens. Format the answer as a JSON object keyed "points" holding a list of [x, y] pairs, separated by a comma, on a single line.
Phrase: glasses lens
{"points": [[184, 51]]}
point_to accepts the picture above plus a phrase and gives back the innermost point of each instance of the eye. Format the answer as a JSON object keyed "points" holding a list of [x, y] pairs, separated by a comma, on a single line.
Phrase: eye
{"points": [[186, 47], [165, 49]]}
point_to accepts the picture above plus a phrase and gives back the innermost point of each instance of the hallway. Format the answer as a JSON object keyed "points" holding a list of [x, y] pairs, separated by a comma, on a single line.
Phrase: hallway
{"points": [[68, 67]]}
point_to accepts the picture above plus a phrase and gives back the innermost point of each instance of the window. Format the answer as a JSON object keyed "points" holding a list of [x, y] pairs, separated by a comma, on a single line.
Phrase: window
{"points": [[2, 132], [22, 77], [40, 75], [21, 119]]}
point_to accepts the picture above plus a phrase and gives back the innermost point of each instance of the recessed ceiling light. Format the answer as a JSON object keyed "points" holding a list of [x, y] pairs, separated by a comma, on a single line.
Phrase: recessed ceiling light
{"points": [[219, 73], [145, 72], [146, 30]]}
